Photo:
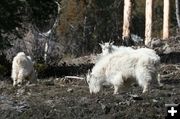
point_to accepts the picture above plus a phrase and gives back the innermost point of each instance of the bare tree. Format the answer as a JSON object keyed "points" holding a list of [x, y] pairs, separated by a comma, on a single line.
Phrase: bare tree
{"points": [[48, 34], [166, 19], [177, 13], [127, 19], [148, 24]]}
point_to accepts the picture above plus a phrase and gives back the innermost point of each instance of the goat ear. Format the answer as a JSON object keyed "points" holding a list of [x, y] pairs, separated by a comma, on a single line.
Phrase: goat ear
{"points": [[101, 45]]}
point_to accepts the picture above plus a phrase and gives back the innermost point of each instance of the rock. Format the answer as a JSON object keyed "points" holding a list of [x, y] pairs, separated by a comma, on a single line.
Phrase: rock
{"points": [[167, 49], [124, 103], [156, 43], [136, 97], [20, 91], [28, 93], [57, 79], [155, 101], [169, 94], [145, 104], [105, 108], [84, 101], [98, 100], [49, 82], [70, 90], [21, 106]]}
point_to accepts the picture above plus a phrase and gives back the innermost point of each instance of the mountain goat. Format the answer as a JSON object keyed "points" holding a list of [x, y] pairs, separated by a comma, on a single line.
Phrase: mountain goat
{"points": [[22, 68], [120, 69], [108, 47]]}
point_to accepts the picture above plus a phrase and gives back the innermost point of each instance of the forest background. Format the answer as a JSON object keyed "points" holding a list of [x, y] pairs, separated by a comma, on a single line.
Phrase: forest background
{"points": [[81, 25]]}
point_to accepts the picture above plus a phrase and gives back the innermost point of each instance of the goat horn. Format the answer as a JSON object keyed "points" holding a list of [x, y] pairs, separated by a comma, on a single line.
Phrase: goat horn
{"points": [[112, 42]]}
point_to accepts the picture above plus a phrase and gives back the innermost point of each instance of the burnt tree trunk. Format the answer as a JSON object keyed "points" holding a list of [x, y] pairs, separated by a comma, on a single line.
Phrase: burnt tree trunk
{"points": [[48, 34]]}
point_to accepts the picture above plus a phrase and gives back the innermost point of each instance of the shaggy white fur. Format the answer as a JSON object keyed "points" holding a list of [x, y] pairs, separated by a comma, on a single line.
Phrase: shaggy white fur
{"points": [[121, 68], [108, 47], [22, 68]]}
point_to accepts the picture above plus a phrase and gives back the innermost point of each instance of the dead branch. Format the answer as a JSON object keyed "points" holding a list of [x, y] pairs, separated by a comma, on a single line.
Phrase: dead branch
{"points": [[73, 77], [168, 75]]}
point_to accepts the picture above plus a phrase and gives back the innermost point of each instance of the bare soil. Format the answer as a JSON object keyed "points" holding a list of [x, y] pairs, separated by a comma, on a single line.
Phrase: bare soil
{"points": [[54, 98]]}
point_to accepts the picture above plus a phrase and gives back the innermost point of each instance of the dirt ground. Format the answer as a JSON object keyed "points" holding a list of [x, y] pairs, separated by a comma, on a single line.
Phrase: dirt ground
{"points": [[54, 98]]}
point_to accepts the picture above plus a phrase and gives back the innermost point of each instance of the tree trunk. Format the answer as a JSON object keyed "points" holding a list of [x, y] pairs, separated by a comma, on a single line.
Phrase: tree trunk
{"points": [[148, 25], [166, 19], [48, 34], [126, 19], [177, 13]]}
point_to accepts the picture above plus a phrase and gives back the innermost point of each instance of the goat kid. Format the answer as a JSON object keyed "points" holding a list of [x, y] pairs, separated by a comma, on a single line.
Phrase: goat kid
{"points": [[22, 68]]}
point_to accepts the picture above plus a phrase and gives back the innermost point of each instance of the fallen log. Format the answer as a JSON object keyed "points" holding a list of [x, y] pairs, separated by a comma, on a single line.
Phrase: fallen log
{"points": [[73, 77]]}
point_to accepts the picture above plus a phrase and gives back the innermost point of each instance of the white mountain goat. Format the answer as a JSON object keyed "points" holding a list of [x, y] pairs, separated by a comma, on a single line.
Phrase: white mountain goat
{"points": [[22, 68], [108, 47], [120, 69]]}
